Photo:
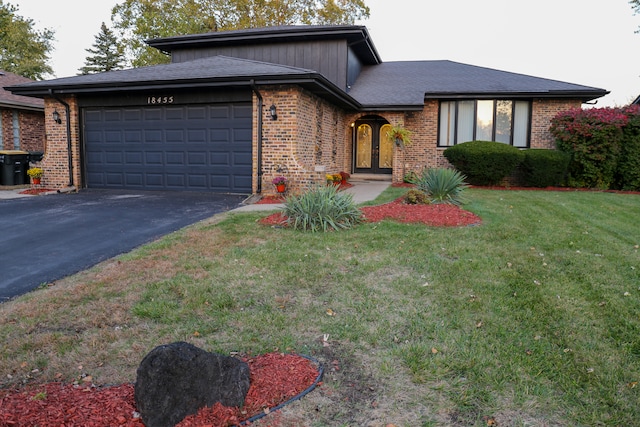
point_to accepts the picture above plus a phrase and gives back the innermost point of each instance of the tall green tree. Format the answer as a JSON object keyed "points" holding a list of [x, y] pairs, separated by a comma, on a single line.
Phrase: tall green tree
{"points": [[140, 20], [23, 49], [107, 53]]}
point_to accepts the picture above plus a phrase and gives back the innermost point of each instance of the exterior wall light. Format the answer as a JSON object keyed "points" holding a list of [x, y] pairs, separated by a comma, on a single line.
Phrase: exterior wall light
{"points": [[273, 112], [56, 117]]}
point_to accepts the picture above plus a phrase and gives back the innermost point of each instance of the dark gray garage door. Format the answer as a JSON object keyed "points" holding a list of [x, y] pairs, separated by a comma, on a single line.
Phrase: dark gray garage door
{"points": [[169, 147]]}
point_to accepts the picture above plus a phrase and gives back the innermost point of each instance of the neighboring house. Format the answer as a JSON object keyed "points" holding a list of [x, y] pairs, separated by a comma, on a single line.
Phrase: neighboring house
{"points": [[236, 108], [636, 101], [21, 117]]}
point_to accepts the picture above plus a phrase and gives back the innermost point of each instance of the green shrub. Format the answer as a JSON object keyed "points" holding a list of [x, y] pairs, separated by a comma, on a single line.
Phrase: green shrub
{"points": [[322, 208], [593, 138], [544, 168], [628, 170], [441, 185], [484, 162], [416, 197]]}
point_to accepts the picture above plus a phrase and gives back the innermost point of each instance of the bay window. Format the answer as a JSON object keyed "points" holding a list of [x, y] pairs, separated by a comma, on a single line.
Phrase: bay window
{"points": [[502, 120]]}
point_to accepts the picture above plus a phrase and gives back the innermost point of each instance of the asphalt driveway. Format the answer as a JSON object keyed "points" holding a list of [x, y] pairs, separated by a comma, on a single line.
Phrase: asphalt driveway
{"points": [[46, 238]]}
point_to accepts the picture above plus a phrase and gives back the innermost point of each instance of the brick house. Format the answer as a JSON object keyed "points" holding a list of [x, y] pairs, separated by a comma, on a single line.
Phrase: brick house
{"points": [[234, 109], [21, 117]]}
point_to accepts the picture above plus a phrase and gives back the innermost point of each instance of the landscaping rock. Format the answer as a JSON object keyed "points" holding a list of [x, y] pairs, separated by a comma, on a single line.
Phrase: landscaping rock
{"points": [[175, 380]]}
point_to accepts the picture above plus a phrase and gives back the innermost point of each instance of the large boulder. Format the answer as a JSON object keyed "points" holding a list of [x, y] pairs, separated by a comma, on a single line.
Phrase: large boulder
{"points": [[175, 380]]}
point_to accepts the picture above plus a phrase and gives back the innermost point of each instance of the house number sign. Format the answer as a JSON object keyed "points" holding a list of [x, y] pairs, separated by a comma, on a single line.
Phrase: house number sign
{"points": [[152, 100]]}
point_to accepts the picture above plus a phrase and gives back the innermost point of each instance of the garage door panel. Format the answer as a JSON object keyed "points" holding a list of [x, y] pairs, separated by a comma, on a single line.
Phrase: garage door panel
{"points": [[133, 158], [242, 159], [174, 158], [197, 158], [201, 147], [113, 157], [134, 179], [114, 179], [197, 136]]}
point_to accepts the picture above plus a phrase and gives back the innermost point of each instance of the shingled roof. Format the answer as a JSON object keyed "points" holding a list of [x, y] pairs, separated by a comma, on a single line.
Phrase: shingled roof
{"points": [[214, 71], [10, 100], [407, 84]]}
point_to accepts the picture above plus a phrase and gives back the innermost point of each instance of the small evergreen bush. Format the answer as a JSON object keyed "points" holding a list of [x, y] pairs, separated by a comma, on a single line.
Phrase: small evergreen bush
{"points": [[544, 168], [441, 185], [416, 197], [322, 208], [484, 162]]}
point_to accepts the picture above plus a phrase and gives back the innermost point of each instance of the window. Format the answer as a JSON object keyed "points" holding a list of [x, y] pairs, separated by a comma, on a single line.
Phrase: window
{"points": [[499, 120], [16, 131]]}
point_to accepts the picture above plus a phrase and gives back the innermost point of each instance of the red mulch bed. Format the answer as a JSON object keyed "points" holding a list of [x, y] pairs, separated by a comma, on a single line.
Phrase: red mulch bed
{"points": [[266, 200], [440, 215], [36, 191], [275, 378]]}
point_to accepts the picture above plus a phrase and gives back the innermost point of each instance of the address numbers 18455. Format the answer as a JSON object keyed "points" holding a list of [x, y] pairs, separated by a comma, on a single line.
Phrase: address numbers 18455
{"points": [[160, 100]]}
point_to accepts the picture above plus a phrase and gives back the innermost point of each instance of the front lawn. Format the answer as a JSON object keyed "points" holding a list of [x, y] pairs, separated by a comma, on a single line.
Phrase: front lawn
{"points": [[531, 318]]}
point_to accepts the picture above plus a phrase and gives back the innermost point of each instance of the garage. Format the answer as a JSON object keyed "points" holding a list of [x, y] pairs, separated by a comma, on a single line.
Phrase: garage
{"points": [[189, 147]]}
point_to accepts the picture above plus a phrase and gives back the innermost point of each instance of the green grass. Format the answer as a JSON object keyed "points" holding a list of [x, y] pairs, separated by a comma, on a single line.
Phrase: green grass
{"points": [[530, 318]]}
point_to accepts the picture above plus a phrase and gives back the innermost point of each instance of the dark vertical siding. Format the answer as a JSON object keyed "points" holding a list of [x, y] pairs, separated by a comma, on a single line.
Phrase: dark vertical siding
{"points": [[330, 58], [354, 68]]}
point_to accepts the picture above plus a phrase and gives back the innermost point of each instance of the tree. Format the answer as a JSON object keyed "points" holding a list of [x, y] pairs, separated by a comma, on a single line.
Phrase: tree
{"points": [[635, 5], [140, 20], [107, 54], [23, 50]]}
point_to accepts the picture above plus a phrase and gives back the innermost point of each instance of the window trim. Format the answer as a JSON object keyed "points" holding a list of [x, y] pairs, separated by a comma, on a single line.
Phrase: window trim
{"points": [[456, 103]]}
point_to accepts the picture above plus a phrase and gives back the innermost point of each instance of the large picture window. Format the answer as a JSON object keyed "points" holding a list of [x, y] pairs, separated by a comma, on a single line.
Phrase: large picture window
{"points": [[501, 120]]}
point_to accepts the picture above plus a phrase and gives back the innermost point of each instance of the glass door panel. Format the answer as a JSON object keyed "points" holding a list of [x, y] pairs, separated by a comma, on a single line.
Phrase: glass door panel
{"points": [[385, 157], [363, 146]]}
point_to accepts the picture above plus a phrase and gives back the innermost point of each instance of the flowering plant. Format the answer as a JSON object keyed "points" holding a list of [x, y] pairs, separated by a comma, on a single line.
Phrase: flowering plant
{"points": [[345, 176], [279, 180], [333, 177], [35, 172]]}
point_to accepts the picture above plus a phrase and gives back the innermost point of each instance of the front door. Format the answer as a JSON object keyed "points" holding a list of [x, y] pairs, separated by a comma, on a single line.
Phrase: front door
{"points": [[373, 152]]}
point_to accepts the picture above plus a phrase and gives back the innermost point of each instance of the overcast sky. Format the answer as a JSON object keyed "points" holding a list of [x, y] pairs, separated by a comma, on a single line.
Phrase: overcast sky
{"points": [[588, 42]]}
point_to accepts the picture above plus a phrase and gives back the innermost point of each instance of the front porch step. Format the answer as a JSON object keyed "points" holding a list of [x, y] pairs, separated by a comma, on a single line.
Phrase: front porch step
{"points": [[370, 177]]}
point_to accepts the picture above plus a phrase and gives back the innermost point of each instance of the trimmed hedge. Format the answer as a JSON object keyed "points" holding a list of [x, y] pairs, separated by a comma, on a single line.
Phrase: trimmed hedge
{"points": [[544, 168], [628, 170], [484, 162]]}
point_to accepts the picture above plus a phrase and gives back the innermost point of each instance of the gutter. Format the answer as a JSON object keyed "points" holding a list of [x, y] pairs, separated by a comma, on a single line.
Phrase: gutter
{"points": [[69, 154], [259, 149]]}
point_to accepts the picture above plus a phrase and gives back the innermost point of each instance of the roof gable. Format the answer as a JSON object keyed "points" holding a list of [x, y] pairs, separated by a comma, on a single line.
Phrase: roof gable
{"points": [[8, 99]]}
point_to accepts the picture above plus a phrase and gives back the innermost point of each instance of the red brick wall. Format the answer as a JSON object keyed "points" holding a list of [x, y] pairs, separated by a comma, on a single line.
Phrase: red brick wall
{"points": [[543, 111], [309, 132], [31, 130], [56, 159]]}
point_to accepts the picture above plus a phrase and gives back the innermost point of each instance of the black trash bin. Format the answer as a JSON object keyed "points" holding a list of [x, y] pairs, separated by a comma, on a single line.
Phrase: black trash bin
{"points": [[13, 167]]}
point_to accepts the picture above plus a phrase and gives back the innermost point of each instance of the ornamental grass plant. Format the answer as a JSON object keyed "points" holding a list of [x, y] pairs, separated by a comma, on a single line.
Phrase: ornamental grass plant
{"points": [[323, 208], [441, 185]]}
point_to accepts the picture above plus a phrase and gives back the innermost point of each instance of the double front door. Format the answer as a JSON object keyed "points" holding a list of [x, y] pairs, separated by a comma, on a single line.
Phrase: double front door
{"points": [[373, 152]]}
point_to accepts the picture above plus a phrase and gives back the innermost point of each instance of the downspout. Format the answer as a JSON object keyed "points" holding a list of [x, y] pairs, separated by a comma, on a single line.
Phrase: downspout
{"points": [[69, 155], [259, 148]]}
